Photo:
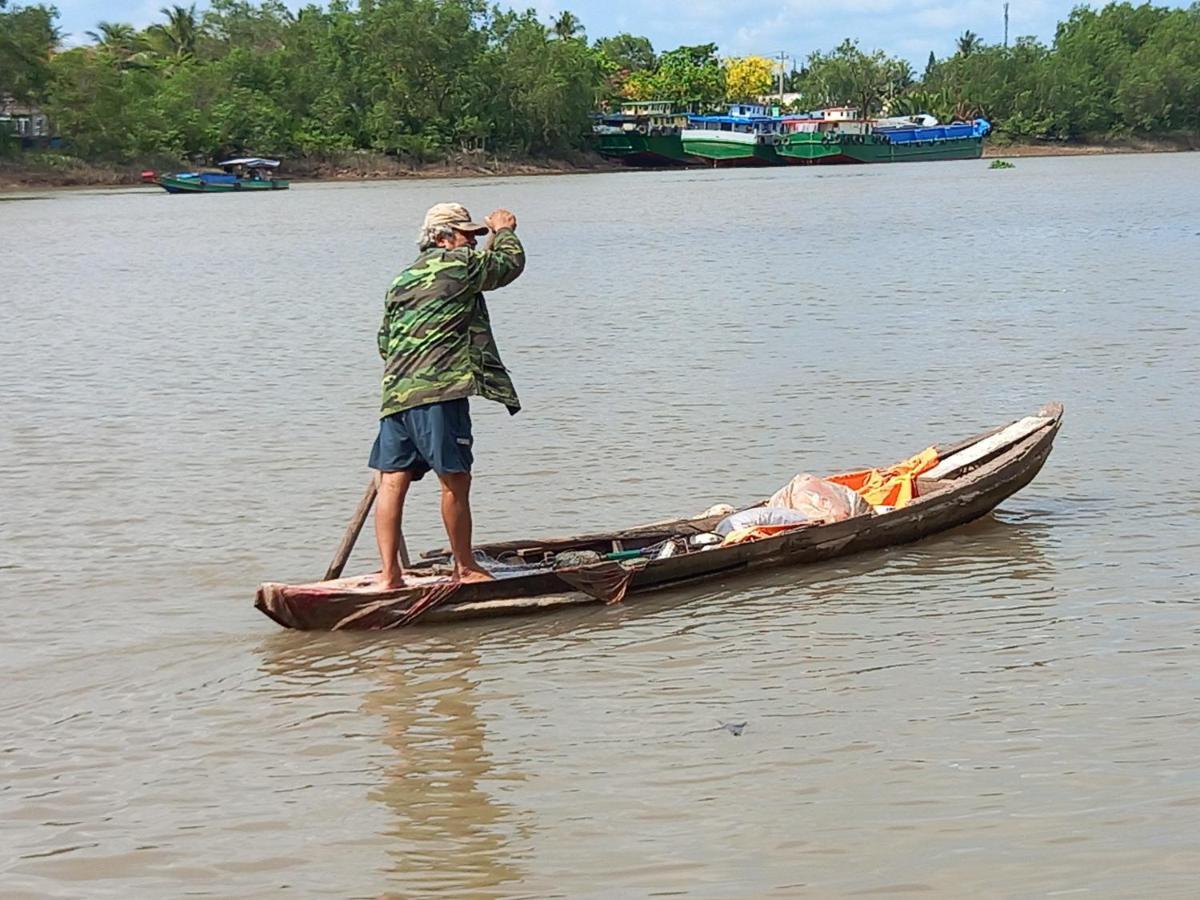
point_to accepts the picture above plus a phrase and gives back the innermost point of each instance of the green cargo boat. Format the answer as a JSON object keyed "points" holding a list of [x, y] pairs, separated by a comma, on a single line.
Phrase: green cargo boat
{"points": [[745, 136], [644, 134], [839, 136], [818, 148], [809, 148], [636, 149]]}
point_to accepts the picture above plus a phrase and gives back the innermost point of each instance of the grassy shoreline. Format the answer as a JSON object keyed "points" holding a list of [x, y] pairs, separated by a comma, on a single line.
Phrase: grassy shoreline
{"points": [[41, 171], [1000, 145]]}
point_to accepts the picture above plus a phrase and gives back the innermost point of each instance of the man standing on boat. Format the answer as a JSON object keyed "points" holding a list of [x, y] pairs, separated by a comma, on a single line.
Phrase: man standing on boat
{"points": [[437, 345]]}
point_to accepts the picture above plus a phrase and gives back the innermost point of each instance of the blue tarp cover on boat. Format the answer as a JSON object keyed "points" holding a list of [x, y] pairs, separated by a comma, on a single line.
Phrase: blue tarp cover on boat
{"points": [[900, 135]]}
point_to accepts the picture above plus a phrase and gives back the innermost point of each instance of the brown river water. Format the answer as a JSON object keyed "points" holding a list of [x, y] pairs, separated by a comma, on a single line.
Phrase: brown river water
{"points": [[1008, 710]]}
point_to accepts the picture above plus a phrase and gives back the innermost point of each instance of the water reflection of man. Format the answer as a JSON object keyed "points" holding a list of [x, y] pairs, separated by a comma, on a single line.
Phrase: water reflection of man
{"points": [[437, 344], [450, 832]]}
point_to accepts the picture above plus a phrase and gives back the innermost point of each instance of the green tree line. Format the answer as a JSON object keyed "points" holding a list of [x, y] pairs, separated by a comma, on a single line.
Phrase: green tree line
{"points": [[1122, 70], [426, 78], [418, 78]]}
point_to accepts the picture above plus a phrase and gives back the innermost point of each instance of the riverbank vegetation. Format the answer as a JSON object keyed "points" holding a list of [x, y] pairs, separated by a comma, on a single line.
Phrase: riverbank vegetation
{"points": [[424, 81]]}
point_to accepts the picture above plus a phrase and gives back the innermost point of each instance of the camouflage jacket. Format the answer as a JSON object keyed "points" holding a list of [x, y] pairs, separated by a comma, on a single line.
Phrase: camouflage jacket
{"points": [[436, 338]]}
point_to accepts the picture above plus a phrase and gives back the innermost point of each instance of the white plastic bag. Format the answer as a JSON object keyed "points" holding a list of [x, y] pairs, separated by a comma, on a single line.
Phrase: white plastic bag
{"points": [[817, 498], [759, 515]]}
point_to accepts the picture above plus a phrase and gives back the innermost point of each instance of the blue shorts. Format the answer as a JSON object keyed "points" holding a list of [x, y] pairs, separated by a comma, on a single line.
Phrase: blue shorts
{"points": [[436, 436]]}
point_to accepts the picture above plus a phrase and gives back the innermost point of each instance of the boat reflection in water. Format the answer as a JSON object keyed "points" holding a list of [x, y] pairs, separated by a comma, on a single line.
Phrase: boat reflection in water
{"points": [[995, 567]]}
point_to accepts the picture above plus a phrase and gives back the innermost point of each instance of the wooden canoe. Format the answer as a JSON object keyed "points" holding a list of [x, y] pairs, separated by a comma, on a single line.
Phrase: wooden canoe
{"points": [[972, 477]]}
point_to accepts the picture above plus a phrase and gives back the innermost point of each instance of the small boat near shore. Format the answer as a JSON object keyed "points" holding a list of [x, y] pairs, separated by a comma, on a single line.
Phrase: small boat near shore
{"points": [[957, 483], [250, 173]]}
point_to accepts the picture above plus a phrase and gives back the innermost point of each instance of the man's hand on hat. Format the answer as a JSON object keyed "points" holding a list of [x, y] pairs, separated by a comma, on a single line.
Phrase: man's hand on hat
{"points": [[501, 218]]}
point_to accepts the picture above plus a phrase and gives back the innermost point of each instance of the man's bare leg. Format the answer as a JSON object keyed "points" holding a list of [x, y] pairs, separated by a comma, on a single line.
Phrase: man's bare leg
{"points": [[389, 510], [456, 514]]}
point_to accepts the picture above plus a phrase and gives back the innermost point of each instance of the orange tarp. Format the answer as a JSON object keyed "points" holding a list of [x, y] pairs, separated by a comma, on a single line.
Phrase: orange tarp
{"points": [[889, 487]]}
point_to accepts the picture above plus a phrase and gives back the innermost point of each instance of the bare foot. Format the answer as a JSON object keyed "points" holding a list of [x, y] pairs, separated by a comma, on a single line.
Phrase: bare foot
{"points": [[473, 575], [390, 583]]}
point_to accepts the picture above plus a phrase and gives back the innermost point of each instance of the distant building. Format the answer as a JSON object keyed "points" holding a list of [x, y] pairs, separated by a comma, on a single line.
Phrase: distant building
{"points": [[25, 122], [788, 98], [749, 110], [841, 113], [647, 108]]}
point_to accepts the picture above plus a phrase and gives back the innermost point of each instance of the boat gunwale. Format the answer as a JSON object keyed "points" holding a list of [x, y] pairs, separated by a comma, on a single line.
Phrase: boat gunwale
{"points": [[176, 184]]}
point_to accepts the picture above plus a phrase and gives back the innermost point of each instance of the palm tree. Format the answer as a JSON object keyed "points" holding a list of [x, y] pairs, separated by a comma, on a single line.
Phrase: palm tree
{"points": [[119, 39], [178, 35], [567, 26], [112, 34], [968, 43]]}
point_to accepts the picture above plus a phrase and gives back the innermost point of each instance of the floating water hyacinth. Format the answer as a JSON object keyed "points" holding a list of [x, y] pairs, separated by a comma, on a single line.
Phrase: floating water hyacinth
{"points": [[1001, 164]]}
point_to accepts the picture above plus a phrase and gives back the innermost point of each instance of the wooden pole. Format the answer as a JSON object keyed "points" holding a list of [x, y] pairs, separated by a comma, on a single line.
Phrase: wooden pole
{"points": [[352, 530]]}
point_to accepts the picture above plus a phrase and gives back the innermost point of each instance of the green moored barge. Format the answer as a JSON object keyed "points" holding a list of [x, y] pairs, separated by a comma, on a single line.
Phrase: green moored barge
{"points": [[745, 136], [839, 136], [651, 133], [636, 149], [644, 134]]}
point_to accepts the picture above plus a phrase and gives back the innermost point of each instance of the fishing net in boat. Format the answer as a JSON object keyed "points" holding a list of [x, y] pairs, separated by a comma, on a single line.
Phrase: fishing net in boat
{"points": [[608, 582]]}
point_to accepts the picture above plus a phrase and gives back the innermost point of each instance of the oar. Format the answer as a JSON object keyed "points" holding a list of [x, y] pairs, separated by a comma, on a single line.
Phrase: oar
{"points": [[352, 532], [356, 523]]}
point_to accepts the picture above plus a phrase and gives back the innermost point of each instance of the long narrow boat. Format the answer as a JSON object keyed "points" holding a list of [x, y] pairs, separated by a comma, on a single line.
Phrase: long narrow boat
{"points": [[971, 477], [244, 174]]}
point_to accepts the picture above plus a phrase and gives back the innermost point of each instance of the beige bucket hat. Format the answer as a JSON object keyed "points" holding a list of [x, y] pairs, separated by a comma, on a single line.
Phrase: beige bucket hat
{"points": [[454, 215]]}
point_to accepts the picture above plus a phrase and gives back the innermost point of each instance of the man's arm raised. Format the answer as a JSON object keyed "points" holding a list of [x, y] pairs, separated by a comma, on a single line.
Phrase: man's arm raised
{"points": [[504, 258]]}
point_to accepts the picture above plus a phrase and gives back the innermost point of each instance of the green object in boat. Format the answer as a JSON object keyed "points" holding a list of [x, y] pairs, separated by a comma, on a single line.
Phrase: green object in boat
{"points": [[623, 554]]}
